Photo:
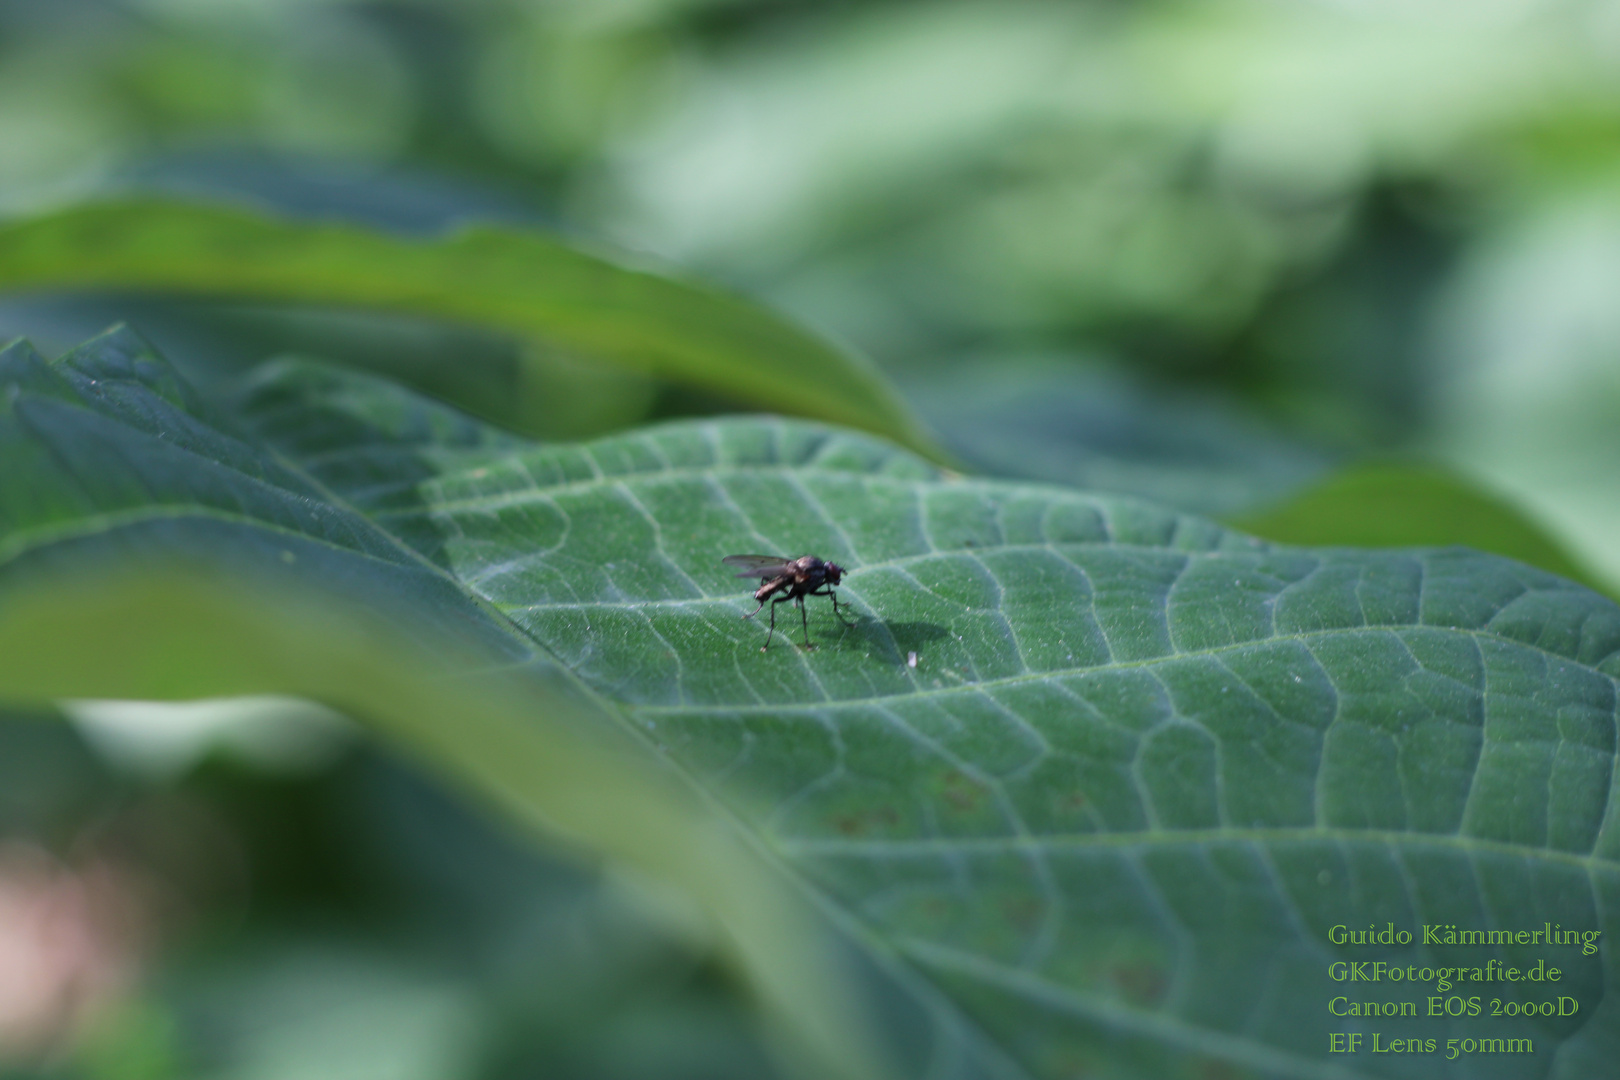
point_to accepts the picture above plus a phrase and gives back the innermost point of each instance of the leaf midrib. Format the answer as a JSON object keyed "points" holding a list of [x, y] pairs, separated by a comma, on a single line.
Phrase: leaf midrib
{"points": [[1591, 862], [901, 562]]}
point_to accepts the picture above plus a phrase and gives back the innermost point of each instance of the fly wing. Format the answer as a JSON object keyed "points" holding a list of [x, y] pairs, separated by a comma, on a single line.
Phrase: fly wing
{"points": [[759, 566]]}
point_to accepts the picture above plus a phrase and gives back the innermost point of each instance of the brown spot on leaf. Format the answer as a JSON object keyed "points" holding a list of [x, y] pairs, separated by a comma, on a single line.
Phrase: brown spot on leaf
{"points": [[1070, 1065], [869, 819], [1023, 912], [962, 791], [1142, 983]]}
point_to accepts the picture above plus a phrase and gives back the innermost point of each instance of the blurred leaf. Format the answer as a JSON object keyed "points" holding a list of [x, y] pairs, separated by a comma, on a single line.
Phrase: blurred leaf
{"points": [[567, 954], [517, 281], [1528, 397], [1102, 825], [1391, 505], [1017, 169], [135, 1042], [319, 1011], [325, 1009], [1069, 423]]}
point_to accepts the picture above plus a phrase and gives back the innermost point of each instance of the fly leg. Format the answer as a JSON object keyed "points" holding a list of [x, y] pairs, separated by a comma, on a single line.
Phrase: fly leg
{"points": [[834, 598], [806, 620], [772, 630]]}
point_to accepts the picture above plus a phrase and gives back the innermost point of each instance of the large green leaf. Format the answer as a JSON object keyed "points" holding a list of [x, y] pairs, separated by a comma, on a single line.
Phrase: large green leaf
{"points": [[1087, 783], [522, 283]]}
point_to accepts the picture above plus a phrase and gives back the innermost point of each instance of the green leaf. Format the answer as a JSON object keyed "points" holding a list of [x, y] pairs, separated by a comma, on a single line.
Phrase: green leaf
{"points": [[1103, 825], [1394, 505], [519, 282]]}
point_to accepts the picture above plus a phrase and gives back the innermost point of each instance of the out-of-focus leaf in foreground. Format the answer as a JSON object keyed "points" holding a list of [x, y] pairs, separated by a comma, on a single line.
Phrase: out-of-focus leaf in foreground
{"points": [[1087, 781], [522, 283], [150, 549]]}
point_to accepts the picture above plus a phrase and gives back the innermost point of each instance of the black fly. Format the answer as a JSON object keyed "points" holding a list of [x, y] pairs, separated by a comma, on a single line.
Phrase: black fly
{"points": [[795, 579]]}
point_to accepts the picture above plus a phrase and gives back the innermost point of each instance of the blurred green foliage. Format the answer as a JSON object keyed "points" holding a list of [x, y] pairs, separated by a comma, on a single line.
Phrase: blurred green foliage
{"points": [[1206, 252], [559, 301]]}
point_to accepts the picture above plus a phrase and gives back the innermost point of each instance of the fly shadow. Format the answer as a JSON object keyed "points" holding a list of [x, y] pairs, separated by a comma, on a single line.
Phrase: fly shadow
{"points": [[889, 641]]}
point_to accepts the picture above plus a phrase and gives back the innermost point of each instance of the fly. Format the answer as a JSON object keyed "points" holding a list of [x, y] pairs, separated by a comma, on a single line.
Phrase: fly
{"points": [[795, 579]]}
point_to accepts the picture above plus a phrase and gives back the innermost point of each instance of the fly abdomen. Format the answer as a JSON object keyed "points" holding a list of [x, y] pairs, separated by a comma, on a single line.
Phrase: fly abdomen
{"points": [[764, 592]]}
